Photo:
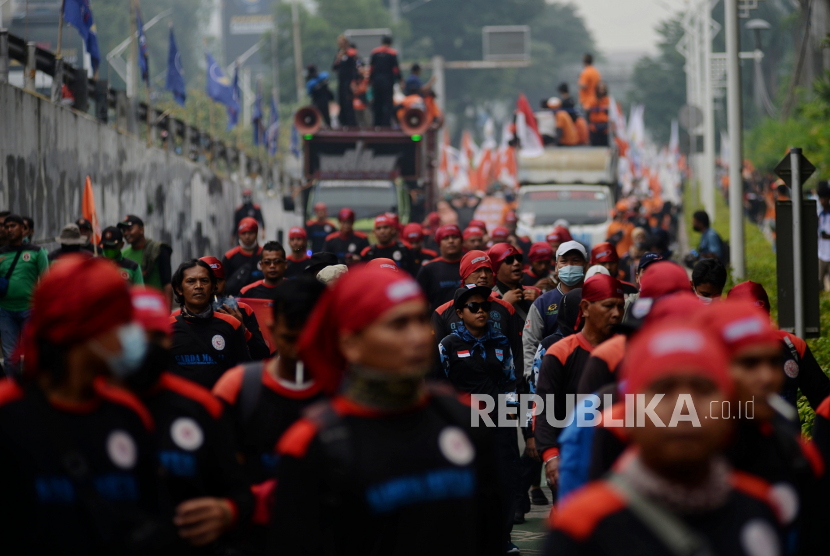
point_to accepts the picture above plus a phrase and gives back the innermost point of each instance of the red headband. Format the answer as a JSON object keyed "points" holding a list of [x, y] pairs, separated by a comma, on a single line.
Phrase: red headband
{"points": [[215, 265], [540, 251], [604, 253], [740, 324], [600, 286], [296, 231], [383, 220], [359, 298], [472, 261], [473, 232], [499, 252], [752, 292], [447, 230], [564, 234], [151, 310], [500, 233], [478, 224], [248, 224], [413, 232], [385, 264], [663, 278], [346, 215]]}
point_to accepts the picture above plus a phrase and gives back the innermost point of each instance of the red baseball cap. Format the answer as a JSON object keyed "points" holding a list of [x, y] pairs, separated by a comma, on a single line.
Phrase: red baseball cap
{"points": [[740, 325], [472, 231], [248, 224], [247, 192], [386, 264], [674, 349], [540, 251], [216, 266], [472, 261], [600, 287], [499, 233], [296, 231], [511, 217], [383, 220], [447, 230], [604, 253], [413, 232], [663, 278], [393, 218], [554, 237], [346, 215], [752, 292], [320, 206], [434, 220], [564, 234], [150, 310], [499, 252], [478, 224]]}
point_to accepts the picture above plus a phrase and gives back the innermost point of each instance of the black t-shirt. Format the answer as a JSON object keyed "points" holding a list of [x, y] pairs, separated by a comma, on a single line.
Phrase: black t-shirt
{"points": [[422, 256], [194, 446], [353, 480], [244, 211], [317, 233], [384, 62], [203, 349], [354, 244], [257, 290], [396, 251], [346, 67], [439, 279], [43, 510], [236, 259], [294, 268]]}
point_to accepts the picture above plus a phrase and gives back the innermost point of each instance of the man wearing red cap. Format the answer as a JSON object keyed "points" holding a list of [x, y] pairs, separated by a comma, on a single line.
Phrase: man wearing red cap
{"points": [[423, 477], [499, 235], [605, 255], [206, 343], [241, 262], [538, 275], [431, 224], [439, 278], [64, 427], [388, 247], [601, 310], [298, 259], [347, 243], [473, 239], [205, 487], [264, 399], [413, 235], [319, 228], [272, 262], [508, 268], [248, 209], [674, 485], [801, 370], [554, 239], [511, 222]]}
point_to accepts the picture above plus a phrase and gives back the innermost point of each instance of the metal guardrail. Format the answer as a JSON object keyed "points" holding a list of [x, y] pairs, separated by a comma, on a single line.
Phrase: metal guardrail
{"points": [[194, 141]]}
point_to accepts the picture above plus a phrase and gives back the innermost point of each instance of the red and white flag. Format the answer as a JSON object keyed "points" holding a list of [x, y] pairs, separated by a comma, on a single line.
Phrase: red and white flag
{"points": [[527, 131]]}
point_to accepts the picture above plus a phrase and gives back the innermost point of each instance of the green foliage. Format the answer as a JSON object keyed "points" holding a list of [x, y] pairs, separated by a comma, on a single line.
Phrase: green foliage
{"points": [[761, 268]]}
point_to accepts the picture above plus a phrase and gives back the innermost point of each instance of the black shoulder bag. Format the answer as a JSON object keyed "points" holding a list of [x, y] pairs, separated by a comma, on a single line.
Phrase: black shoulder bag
{"points": [[4, 281]]}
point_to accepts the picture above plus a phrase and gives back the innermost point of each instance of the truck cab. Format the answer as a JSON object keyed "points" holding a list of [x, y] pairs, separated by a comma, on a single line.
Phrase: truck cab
{"points": [[367, 198]]}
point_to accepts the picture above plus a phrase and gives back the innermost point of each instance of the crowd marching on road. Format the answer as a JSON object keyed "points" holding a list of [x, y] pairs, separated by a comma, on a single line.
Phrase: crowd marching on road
{"points": [[407, 391]]}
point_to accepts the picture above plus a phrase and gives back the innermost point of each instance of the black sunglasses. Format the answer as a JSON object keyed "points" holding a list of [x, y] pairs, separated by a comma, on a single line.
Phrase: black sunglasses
{"points": [[475, 306], [513, 258]]}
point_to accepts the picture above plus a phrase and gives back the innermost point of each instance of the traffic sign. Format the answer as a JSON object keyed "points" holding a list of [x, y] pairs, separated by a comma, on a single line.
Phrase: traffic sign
{"points": [[690, 117], [785, 172]]}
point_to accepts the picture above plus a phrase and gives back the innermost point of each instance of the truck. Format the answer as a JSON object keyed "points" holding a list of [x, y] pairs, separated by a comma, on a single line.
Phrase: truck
{"points": [[573, 186]]}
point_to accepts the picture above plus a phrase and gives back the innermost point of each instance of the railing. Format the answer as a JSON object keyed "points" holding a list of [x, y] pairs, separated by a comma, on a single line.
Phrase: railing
{"points": [[129, 114]]}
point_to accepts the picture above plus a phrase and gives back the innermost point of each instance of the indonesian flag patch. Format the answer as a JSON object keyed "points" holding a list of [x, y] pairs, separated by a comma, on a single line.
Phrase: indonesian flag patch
{"points": [[462, 354]]}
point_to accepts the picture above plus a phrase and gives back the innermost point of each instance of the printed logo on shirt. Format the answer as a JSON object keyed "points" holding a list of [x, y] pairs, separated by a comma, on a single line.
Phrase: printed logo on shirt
{"points": [[121, 449], [195, 359], [791, 368], [125, 275], [218, 342], [397, 255], [553, 309], [352, 248], [495, 315], [500, 354], [463, 354], [187, 434], [455, 446], [641, 307], [26, 256], [328, 228]]}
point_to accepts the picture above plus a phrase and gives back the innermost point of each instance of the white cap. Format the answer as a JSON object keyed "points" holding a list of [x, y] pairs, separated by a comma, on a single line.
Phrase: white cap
{"points": [[571, 246], [597, 269]]}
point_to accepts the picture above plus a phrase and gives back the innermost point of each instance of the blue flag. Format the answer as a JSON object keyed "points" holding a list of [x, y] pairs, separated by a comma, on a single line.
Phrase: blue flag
{"points": [[233, 113], [273, 128], [256, 118], [295, 142], [219, 87], [78, 14], [143, 56], [175, 72]]}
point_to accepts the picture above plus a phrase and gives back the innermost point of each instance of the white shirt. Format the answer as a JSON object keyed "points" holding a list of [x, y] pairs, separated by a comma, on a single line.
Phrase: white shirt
{"points": [[823, 244]]}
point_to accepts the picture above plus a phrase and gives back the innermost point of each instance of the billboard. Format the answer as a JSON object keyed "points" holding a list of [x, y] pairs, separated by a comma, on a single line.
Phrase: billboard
{"points": [[506, 42], [243, 23]]}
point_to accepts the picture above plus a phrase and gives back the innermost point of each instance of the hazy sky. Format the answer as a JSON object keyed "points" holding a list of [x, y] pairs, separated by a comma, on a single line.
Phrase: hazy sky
{"points": [[626, 24]]}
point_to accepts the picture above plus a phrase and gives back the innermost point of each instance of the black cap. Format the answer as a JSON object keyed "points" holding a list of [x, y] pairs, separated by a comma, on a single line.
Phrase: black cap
{"points": [[823, 189], [130, 220], [463, 294], [84, 224], [649, 258], [111, 237], [319, 261]]}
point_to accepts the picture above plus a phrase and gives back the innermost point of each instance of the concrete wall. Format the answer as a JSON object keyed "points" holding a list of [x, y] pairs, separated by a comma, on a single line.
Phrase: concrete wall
{"points": [[46, 152]]}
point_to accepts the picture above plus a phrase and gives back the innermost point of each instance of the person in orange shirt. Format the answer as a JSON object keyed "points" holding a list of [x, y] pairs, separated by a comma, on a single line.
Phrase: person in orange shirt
{"points": [[566, 133], [621, 228], [588, 81], [598, 117]]}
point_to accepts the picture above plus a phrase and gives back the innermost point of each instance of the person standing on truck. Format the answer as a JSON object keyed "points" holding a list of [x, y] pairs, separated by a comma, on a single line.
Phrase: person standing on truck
{"points": [[568, 104], [319, 228], [598, 117], [588, 81], [345, 64], [388, 247], [346, 243], [566, 132], [439, 278], [317, 86], [384, 72]]}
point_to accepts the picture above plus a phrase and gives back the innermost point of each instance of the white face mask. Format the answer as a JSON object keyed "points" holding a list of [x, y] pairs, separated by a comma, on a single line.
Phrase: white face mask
{"points": [[705, 300], [247, 246]]}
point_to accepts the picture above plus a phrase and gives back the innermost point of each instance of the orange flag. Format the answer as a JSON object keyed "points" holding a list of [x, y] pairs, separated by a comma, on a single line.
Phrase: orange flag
{"points": [[88, 209]]}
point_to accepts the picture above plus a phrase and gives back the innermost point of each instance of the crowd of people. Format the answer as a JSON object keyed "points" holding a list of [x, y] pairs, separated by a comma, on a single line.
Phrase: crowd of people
{"points": [[325, 398]]}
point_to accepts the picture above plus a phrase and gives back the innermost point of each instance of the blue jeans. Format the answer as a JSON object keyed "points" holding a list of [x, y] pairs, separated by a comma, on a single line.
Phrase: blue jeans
{"points": [[11, 324]]}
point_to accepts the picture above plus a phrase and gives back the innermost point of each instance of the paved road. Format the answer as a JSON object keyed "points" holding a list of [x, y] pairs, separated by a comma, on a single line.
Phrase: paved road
{"points": [[530, 535]]}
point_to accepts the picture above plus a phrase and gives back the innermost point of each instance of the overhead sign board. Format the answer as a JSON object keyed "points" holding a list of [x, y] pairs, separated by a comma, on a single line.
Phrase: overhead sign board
{"points": [[243, 24], [506, 42]]}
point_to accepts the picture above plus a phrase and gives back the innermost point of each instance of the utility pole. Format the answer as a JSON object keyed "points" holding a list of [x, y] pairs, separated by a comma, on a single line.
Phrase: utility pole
{"points": [[708, 173], [733, 102], [132, 74], [298, 52], [395, 11], [275, 63]]}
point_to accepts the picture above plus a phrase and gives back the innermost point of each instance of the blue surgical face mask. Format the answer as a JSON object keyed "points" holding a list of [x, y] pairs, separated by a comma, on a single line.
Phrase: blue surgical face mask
{"points": [[571, 275], [133, 350]]}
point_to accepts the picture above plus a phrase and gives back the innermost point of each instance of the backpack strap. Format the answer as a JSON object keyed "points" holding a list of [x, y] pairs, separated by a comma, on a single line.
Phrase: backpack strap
{"points": [[792, 348], [250, 389]]}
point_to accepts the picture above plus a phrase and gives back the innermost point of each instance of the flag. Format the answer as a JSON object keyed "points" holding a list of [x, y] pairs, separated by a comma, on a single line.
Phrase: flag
{"points": [[175, 72], [526, 129], [143, 56], [233, 113], [257, 116], [674, 140], [89, 212], [273, 132], [219, 87], [295, 142], [78, 14]]}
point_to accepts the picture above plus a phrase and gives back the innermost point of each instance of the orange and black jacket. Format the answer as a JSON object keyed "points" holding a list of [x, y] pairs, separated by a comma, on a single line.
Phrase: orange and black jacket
{"points": [[601, 367], [384, 65], [257, 346], [396, 251], [439, 278], [295, 267], [203, 349], [235, 259], [345, 244], [598, 520], [559, 376], [355, 480], [422, 255], [801, 371]]}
